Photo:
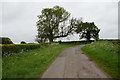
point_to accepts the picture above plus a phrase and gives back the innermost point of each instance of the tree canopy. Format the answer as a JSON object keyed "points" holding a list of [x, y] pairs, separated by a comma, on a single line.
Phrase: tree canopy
{"points": [[88, 30], [53, 23], [23, 42], [5, 40], [56, 22]]}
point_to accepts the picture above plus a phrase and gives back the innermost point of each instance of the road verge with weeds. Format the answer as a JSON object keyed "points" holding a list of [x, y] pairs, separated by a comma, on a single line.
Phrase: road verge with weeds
{"points": [[105, 55]]}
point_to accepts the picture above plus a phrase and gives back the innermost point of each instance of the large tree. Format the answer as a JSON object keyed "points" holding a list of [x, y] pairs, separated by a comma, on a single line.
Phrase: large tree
{"points": [[87, 30], [54, 23]]}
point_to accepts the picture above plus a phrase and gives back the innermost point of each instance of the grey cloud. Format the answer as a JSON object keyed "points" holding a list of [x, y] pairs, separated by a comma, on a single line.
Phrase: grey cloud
{"points": [[19, 19]]}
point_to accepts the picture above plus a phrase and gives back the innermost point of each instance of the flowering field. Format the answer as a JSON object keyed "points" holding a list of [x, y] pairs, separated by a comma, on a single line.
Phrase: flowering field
{"points": [[105, 54]]}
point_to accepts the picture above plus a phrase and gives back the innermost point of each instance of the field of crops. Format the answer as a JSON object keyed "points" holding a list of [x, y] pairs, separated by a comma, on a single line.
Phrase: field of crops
{"points": [[105, 54]]}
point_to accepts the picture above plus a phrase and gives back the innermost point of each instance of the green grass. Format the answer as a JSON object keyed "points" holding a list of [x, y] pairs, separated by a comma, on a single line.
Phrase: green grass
{"points": [[0, 67], [31, 64], [105, 54]]}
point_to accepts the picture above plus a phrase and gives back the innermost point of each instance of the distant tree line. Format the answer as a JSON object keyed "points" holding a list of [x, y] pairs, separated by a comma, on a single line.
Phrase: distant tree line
{"points": [[56, 22], [6, 40]]}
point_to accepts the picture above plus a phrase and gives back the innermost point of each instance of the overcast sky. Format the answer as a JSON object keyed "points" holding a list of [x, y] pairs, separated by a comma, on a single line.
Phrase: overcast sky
{"points": [[19, 19]]}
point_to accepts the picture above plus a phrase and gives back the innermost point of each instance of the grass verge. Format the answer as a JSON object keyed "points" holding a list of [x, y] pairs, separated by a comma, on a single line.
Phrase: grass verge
{"points": [[31, 64], [105, 55]]}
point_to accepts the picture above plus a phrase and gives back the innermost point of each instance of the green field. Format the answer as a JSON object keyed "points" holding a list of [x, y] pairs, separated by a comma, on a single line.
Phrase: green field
{"points": [[105, 54], [33, 63]]}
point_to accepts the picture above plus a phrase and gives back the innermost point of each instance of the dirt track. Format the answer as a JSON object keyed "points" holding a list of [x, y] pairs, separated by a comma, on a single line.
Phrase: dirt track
{"points": [[72, 63]]}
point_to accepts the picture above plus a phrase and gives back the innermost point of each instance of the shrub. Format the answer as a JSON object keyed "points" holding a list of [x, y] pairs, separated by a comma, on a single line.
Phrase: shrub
{"points": [[8, 49], [5, 40], [23, 42]]}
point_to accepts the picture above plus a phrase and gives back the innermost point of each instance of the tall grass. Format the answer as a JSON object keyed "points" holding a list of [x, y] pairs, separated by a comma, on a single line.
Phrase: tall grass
{"points": [[105, 54], [31, 64]]}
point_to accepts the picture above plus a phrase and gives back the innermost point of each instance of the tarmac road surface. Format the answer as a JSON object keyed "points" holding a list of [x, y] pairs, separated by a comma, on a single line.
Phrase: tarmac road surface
{"points": [[73, 63]]}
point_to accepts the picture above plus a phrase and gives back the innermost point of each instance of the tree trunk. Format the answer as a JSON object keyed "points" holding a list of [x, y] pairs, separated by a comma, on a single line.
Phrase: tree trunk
{"points": [[51, 36], [51, 40], [88, 36]]}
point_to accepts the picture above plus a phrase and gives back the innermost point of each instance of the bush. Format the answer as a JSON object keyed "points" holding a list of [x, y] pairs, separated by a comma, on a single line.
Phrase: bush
{"points": [[23, 42], [5, 40], [8, 49]]}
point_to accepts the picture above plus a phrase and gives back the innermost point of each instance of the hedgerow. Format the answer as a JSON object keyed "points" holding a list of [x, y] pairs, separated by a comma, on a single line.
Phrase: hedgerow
{"points": [[8, 49]]}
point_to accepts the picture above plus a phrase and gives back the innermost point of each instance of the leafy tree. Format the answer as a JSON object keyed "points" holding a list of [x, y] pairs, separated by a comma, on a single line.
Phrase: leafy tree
{"points": [[88, 31], [5, 40], [23, 42], [53, 23]]}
